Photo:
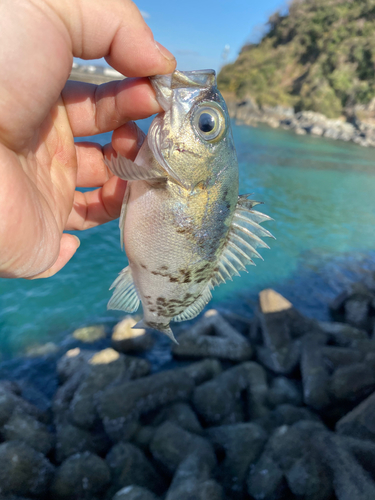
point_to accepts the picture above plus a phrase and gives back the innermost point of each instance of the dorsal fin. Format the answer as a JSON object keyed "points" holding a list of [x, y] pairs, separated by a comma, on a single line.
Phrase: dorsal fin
{"points": [[125, 297], [196, 307], [244, 237]]}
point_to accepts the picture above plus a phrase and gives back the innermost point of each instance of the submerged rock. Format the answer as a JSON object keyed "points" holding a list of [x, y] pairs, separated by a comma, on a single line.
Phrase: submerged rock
{"points": [[360, 422], [89, 334], [182, 415], [71, 440], [212, 336], [27, 429]]}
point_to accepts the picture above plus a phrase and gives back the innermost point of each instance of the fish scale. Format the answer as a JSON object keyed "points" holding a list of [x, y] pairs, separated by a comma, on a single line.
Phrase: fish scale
{"points": [[184, 228]]}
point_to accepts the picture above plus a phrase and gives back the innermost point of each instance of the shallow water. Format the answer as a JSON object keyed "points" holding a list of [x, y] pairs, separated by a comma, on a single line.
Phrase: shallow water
{"points": [[321, 194]]}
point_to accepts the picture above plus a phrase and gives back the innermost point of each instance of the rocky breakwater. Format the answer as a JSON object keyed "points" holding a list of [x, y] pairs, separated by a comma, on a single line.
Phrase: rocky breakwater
{"points": [[281, 410], [350, 128]]}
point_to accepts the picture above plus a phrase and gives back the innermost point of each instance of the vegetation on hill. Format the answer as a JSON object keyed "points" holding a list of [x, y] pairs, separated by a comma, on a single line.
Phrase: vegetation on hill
{"points": [[320, 57]]}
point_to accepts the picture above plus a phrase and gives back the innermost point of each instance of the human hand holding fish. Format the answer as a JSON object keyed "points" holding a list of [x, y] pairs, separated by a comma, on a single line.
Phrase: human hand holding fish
{"points": [[40, 114]]}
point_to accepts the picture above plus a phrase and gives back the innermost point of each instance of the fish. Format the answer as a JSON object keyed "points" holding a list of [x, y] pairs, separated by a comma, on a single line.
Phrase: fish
{"points": [[184, 226]]}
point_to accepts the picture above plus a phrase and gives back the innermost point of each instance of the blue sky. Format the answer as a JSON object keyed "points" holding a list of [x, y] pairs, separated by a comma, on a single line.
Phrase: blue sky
{"points": [[197, 31]]}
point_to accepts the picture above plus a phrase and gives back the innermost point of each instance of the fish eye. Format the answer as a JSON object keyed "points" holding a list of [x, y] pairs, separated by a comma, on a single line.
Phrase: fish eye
{"points": [[208, 122]]}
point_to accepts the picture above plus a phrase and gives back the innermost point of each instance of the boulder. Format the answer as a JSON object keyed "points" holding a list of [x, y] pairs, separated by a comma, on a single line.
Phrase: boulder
{"points": [[171, 445], [82, 476], [29, 430], [242, 445], [352, 381], [23, 470], [266, 480], [129, 466], [360, 422], [212, 336], [219, 401], [315, 375], [202, 371], [126, 339], [71, 440], [284, 391], [192, 481], [134, 493], [10, 402], [120, 413], [182, 415]]}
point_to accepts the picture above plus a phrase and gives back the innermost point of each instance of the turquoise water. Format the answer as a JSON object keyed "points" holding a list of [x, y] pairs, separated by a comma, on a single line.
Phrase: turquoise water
{"points": [[321, 194]]}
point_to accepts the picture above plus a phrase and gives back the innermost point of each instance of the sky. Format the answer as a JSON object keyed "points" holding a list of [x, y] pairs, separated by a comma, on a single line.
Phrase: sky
{"points": [[196, 32]]}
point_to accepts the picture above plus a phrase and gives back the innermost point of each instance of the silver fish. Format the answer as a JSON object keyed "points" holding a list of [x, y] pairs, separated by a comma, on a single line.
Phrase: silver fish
{"points": [[184, 226]]}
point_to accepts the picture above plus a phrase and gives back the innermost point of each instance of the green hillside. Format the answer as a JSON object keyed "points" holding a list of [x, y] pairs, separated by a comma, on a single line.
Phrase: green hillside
{"points": [[320, 57]]}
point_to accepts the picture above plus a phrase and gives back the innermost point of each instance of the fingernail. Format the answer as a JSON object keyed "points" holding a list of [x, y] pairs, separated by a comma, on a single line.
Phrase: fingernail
{"points": [[77, 239], [165, 52]]}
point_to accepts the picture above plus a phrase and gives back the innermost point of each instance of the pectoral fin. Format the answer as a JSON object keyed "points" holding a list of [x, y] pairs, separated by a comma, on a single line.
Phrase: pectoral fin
{"points": [[131, 171], [125, 297], [243, 239]]}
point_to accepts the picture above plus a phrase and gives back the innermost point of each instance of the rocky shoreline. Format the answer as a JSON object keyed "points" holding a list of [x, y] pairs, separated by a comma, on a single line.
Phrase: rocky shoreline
{"points": [[348, 128], [282, 408]]}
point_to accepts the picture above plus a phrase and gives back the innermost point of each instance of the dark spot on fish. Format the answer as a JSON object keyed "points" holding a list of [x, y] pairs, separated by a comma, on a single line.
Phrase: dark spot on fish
{"points": [[187, 280], [173, 280], [164, 268], [181, 230], [144, 267], [161, 300], [225, 193], [152, 310], [187, 296], [200, 280], [157, 326], [147, 296]]}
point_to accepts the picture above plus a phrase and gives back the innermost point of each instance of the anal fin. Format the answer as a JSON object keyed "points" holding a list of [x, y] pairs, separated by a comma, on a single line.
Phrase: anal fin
{"points": [[125, 297]]}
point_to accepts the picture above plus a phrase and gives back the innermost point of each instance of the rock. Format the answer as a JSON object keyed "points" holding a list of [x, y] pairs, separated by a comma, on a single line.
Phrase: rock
{"points": [[340, 356], [300, 131], [23, 470], [315, 375], [105, 368], [33, 395], [171, 445], [349, 479], [219, 401], [48, 349], [316, 130], [182, 415], [280, 324], [363, 451], [360, 422], [352, 381], [143, 395], [134, 493], [73, 361], [142, 437], [71, 440], [355, 306], [129, 466], [242, 445], [202, 371], [309, 479], [89, 334], [81, 476], [284, 391], [287, 415], [126, 339], [266, 480], [27, 429], [341, 333], [192, 481], [10, 402], [212, 336]]}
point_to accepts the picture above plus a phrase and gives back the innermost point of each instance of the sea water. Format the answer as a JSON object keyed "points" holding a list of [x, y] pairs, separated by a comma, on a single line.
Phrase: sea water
{"points": [[321, 195]]}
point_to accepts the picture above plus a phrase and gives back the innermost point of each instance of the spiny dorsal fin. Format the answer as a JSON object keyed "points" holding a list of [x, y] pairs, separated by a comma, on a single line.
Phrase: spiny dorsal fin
{"points": [[196, 307], [244, 237], [125, 297]]}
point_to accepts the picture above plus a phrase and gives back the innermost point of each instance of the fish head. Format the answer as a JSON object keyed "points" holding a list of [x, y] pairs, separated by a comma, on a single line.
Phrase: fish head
{"points": [[191, 139]]}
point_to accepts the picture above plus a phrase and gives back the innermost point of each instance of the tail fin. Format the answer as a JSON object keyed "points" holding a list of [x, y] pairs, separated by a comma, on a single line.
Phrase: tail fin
{"points": [[161, 327]]}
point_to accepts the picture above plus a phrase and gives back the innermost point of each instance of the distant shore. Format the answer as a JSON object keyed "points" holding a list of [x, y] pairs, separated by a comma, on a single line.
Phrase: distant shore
{"points": [[349, 128]]}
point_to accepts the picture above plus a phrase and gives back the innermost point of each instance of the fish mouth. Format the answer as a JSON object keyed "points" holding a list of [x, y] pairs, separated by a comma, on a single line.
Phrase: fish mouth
{"points": [[165, 84]]}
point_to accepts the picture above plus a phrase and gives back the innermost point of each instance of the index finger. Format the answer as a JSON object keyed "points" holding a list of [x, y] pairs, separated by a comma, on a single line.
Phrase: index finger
{"points": [[116, 30]]}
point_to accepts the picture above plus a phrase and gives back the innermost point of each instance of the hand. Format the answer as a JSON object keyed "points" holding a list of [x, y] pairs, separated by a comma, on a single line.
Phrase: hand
{"points": [[40, 114]]}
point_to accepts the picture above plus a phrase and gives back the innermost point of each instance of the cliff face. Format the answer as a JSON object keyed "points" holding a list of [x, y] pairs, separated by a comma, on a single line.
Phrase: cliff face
{"points": [[319, 57]]}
